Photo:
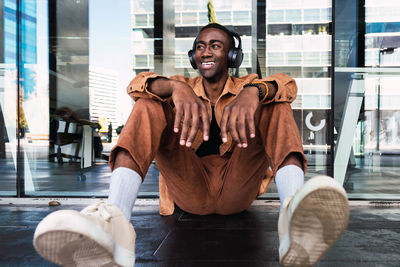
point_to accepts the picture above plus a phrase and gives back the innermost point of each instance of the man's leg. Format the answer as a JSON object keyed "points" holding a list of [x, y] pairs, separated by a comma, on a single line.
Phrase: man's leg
{"points": [[312, 219], [149, 135], [289, 177], [182, 170], [313, 216], [277, 145], [124, 183], [100, 234]]}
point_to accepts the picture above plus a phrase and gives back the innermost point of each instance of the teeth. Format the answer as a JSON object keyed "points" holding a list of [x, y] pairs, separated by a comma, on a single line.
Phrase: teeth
{"points": [[208, 63]]}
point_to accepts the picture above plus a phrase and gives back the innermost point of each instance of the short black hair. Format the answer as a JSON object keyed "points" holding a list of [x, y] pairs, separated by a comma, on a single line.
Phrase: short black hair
{"points": [[222, 28]]}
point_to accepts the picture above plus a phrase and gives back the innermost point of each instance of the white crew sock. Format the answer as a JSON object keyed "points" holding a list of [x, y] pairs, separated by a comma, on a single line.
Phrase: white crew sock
{"points": [[124, 188], [288, 179]]}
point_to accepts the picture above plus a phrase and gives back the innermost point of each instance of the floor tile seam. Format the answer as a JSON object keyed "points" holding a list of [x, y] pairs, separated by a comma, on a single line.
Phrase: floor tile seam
{"points": [[16, 226], [207, 226], [154, 202], [138, 260], [161, 243], [374, 228], [358, 261]]}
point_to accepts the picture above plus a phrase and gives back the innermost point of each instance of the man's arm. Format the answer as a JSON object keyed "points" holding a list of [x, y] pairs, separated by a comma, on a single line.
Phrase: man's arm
{"points": [[272, 89], [161, 86], [239, 114], [282, 86], [188, 108]]}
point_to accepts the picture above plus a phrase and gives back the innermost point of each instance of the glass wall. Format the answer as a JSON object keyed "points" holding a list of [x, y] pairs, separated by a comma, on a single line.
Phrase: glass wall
{"points": [[142, 41], [74, 67], [9, 112], [298, 43], [74, 59], [367, 99]]}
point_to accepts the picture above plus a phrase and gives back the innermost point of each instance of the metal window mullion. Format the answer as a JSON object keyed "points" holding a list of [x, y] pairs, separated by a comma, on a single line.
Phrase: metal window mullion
{"points": [[20, 172], [332, 75]]}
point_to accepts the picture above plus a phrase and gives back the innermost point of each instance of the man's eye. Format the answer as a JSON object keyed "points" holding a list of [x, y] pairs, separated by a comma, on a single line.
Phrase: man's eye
{"points": [[215, 46], [199, 46]]}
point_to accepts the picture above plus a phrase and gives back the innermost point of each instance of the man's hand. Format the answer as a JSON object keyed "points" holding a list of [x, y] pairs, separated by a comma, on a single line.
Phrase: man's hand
{"points": [[191, 110], [238, 114]]}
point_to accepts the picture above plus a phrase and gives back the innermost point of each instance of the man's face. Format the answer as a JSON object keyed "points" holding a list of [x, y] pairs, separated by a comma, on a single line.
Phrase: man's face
{"points": [[211, 54]]}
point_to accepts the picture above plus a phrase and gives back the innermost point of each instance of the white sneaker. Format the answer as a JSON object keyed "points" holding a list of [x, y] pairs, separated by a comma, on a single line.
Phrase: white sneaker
{"points": [[312, 221], [99, 235]]}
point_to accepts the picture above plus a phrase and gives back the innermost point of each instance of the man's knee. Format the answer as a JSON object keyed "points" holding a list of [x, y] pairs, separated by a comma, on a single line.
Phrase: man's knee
{"points": [[157, 112], [276, 117], [147, 105], [275, 107]]}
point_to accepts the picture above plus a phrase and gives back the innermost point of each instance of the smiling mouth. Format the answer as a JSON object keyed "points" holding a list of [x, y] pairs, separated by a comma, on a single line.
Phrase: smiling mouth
{"points": [[207, 65]]}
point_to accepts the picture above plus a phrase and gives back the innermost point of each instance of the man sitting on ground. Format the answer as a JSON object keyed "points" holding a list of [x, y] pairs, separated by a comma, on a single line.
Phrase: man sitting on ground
{"points": [[214, 138]]}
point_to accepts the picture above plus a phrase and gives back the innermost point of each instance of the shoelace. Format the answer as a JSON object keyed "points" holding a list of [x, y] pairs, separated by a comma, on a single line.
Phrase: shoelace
{"points": [[99, 208]]}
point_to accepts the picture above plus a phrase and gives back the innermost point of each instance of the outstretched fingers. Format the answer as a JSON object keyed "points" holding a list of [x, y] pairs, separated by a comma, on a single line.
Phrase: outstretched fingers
{"points": [[192, 115], [236, 121], [228, 125]]}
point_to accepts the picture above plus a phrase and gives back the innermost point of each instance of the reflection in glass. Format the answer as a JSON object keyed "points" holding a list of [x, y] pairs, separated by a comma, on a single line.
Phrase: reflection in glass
{"points": [[8, 98], [293, 15], [189, 18], [71, 104], [298, 44], [142, 38], [141, 20], [241, 17], [372, 164], [312, 15]]}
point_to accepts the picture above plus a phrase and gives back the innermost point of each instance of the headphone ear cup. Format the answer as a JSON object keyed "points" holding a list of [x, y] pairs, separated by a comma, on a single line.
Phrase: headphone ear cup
{"points": [[238, 57], [191, 59], [235, 57], [230, 57]]}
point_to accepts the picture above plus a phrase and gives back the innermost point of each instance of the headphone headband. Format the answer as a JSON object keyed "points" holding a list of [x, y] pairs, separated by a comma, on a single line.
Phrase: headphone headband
{"points": [[234, 34]]}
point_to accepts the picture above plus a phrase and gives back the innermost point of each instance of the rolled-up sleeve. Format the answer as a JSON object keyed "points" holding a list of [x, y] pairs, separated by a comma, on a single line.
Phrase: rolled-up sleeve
{"points": [[138, 87], [287, 88]]}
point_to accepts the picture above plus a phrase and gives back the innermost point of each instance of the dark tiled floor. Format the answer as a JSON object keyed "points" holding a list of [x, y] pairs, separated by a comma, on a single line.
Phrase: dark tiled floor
{"points": [[246, 239]]}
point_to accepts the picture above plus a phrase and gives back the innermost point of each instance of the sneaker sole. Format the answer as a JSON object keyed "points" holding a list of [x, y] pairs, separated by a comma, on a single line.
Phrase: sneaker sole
{"points": [[321, 203], [72, 249], [58, 240]]}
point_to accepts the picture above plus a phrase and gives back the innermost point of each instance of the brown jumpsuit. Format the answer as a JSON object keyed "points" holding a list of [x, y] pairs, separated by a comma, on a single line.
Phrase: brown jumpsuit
{"points": [[226, 183]]}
